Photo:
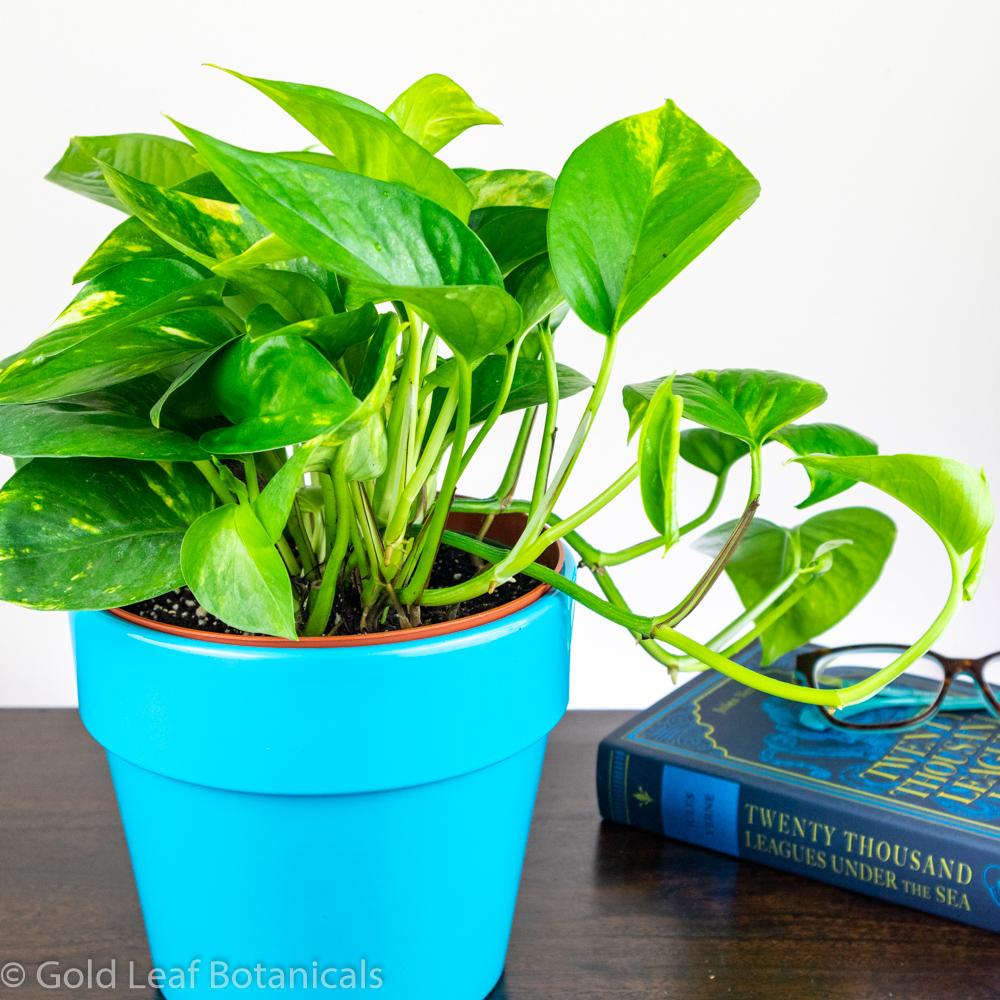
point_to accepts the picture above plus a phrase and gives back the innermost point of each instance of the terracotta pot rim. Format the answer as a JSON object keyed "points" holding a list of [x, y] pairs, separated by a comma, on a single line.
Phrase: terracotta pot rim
{"points": [[430, 631]]}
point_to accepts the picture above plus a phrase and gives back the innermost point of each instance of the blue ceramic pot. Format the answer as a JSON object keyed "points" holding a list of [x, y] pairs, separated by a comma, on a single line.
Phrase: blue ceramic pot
{"points": [[327, 818]]}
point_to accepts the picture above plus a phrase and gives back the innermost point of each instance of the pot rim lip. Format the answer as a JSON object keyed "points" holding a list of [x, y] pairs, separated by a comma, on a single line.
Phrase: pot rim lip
{"points": [[430, 631]]}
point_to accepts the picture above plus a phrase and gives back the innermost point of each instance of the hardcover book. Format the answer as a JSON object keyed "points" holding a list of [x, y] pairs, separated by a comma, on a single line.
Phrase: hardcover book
{"points": [[912, 816]]}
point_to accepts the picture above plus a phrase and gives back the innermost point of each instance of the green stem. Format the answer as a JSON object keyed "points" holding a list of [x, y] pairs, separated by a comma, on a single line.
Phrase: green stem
{"points": [[285, 551], [499, 403], [756, 473], [567, 525], [397, 433], [428, 362], [335, 496], [877, 681], [513, 562], [214, 480], [413, 589], [649, 628], [400, 517], [508, 484], [250, 477], [700, 590], [551, 414], [296, 527], [580, 435]]}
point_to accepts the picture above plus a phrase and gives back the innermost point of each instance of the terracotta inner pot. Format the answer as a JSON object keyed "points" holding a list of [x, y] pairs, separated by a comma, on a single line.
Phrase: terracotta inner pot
{"points": [[505, 530]]}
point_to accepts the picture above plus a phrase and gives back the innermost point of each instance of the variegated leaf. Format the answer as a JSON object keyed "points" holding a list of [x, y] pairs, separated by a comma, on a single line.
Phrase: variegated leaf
{"points": [[82, 533]]}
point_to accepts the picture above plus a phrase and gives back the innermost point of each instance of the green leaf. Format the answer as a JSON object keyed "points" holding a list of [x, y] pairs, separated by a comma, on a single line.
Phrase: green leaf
{"points": [[473, 320], [204, 229], [842, 552], [278, 391], [951, 497], [205, 185], [634, 205], [188, 398], [234, 570], [711, 451], [743, 402], [89, 427], [364, 229], [153, 158], [366, 451], [845, 551], [825, 439], [119, 298], [509, 188], [534, 288], [374, 377], [294, 296], [128, 241], [364, 141], [766, 555], [435, 110], [659, 453], [67, 362], [274, 504], [334, 335], [82, 533], [527, 389], [512, 235]]}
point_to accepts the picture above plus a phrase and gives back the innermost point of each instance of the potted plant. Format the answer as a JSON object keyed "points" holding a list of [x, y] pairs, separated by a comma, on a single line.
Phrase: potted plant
{"points": [[323, 676]]}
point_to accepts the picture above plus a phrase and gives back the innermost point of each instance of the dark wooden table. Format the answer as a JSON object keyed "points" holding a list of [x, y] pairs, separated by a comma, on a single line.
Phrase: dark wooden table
{"points": [[605, 911]]}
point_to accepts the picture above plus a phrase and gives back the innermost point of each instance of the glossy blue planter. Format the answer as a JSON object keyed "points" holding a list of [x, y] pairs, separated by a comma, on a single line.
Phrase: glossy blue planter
{"points": [[325, 819]]}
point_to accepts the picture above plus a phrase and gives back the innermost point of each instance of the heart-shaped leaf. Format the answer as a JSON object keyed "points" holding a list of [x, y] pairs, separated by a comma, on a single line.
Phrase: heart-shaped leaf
{"points": [[89, 427], [504, 188], [128, 241], [533, 286], [277, 391], [82, 533], [435, 110], [365, 229], [742, 402], [189, 397], [659, 453], [114, 356], [294, 296], [233, 568], [766, 554], [856, 540], [157, 159], [473, 320], [274, 504], [512, 235], [332, 334], [119, 298], [825, 439], [365, 141], [366, 452], [634, 205], [951, 497], [204, 229], [711, 451]]}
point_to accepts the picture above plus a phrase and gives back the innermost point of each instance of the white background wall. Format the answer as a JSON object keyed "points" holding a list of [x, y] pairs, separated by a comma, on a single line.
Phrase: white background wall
{"points": [[870, 262]]}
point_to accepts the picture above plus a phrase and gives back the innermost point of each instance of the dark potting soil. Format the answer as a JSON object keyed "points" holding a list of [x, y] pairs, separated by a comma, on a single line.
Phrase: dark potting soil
{"points": [[181, 608]]}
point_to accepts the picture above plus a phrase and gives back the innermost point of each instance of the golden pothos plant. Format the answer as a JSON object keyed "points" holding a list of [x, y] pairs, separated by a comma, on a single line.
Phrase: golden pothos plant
{"points": [[280, 364]]}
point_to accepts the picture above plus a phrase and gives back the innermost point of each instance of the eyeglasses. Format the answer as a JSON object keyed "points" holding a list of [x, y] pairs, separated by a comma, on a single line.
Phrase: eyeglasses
{"points": [[926, 687]]}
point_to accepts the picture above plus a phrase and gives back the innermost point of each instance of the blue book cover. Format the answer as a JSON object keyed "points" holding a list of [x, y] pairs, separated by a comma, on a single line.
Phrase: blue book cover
{"points": [[912, 817]]}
